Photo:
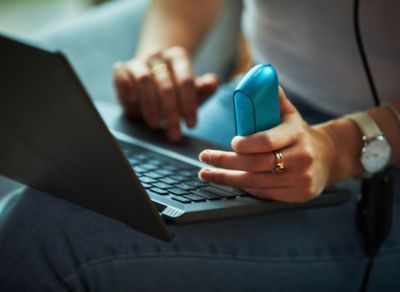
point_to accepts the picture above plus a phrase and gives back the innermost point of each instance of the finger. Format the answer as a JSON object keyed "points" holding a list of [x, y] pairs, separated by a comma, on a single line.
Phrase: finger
{"points": [[184, 82], [286, 106], [206, 85], [161, 70], [241, 179], [247, 162], [126, 94], [282, 136], [147, 95]]}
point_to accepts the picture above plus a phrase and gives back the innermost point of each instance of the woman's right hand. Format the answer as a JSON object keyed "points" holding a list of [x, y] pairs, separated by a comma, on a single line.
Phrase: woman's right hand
{"points": [[162, 89]]}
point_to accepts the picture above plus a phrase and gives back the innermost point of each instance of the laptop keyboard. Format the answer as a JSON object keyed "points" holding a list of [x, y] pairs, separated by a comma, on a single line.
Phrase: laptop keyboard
{"points": [[164, 176]]}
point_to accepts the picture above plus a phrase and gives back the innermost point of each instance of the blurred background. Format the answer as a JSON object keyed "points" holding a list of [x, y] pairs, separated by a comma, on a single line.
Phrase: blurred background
{"points": [[27, 16]]}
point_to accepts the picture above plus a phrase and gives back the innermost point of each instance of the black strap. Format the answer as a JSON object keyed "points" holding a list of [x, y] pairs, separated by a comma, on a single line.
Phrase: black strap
{"points": [[375, 210], [374, 215]]}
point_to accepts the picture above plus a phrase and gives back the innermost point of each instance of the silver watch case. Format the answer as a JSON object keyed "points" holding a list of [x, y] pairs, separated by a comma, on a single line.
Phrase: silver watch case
{"points": [[375, 155]]}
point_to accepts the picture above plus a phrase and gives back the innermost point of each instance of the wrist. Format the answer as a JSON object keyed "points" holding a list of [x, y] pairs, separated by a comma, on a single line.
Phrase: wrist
{"points": [[347, 141]]}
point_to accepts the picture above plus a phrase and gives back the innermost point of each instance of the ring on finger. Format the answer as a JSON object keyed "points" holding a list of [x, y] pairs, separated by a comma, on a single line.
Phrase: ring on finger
{"points": [[158, 68], [279, 162]]}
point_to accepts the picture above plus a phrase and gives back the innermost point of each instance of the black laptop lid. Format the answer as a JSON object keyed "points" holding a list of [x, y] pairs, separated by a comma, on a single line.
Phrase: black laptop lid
{"points": [[52, 138]]}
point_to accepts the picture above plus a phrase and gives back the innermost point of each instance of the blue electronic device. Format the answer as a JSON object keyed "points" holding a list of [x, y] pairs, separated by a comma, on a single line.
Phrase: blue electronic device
{"points": [[256, 101]]}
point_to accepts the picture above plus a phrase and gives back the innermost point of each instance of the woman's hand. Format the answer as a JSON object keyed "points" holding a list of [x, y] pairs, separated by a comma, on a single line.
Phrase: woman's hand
{"points": [[162, 89], [308, 154]]}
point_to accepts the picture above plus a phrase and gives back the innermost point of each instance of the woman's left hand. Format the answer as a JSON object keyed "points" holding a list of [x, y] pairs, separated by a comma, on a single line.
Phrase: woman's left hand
{"points": [[308, 155]]}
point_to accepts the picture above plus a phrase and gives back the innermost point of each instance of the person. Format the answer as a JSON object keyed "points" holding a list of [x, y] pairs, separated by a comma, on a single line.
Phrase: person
{"points": [[320, 157], [313, 48]]}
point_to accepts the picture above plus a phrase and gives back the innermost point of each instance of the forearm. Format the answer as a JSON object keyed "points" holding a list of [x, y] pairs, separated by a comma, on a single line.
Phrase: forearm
{"points": [[177, 23], [347, 138]]}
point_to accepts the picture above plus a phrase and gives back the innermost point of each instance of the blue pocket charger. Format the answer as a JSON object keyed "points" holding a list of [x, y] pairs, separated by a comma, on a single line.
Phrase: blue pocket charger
{"points": [[256, 101]]}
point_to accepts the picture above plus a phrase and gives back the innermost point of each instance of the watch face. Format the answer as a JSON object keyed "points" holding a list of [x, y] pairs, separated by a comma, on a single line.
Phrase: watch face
{"points": [[376, 154]]}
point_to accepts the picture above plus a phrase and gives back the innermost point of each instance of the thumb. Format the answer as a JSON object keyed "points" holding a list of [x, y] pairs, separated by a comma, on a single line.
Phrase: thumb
{"points": [[287, 107], [206, 85]]}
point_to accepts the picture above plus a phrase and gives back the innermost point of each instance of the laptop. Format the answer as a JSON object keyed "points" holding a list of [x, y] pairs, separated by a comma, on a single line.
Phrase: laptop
{"points": [[53, 139]]}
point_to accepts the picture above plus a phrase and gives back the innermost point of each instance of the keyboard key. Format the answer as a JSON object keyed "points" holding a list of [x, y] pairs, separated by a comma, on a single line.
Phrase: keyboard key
{"points": [[169, 168], [157, 163], [164, 172], [168, 180], [139, 169], [178, 165], [146, 186], [232, 190], [181, 199], [197, 183], [178, 192], [149, 166], [159, 191], [219, 192], [179, 178], [158, 158], [187, 173], [147, 180], [153, 175], [140, 157], [195, 198], [133, 161], [185, 187], [162, 185], [206, 195], [126, 151]]}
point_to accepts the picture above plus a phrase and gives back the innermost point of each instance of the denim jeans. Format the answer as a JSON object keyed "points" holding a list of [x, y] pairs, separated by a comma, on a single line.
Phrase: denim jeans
{"points": [[47, 244]]}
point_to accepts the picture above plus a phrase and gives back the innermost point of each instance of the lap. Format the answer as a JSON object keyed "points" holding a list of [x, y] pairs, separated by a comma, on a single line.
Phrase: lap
{"points": [[62, 245]]}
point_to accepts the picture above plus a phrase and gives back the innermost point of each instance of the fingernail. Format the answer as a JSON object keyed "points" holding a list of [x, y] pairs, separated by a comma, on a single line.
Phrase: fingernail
{"points": [[205, 156], [235, 140], [203, 173]]}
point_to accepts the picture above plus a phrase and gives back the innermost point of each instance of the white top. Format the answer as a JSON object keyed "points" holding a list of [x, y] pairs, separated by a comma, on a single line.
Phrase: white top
{"points": [[312, 44]]}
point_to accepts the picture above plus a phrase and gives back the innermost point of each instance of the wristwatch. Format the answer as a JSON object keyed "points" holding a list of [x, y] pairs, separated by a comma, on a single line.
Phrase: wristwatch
{"points": [[376, 152]]}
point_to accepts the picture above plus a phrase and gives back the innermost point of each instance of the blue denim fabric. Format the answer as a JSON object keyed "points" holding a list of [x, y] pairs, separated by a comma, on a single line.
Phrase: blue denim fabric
{"points": [[47, 244]]}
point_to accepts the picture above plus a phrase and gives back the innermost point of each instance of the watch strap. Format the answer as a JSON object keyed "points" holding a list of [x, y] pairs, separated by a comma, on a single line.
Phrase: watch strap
{"points": [[368, 126], [395, 112]]}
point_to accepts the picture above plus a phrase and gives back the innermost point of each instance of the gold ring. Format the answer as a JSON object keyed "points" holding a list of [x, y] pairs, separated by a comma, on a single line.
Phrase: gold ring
{"points": [[279, 163], [159, 69]]}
